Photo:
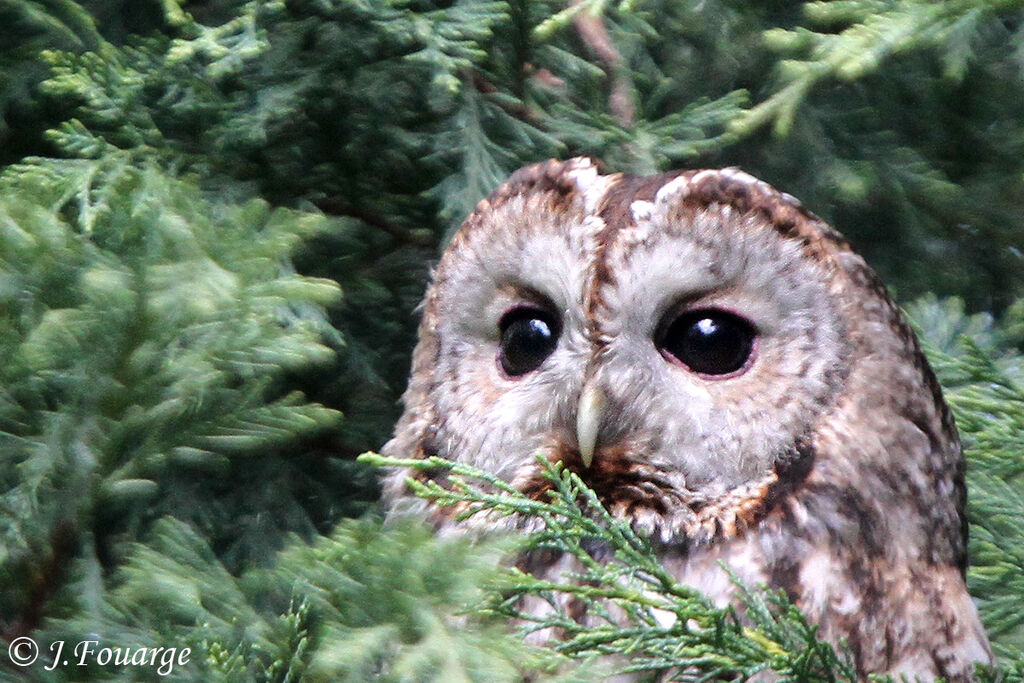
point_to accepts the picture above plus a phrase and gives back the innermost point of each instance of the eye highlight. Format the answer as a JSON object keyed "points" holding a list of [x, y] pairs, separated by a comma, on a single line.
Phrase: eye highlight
{"points": [[528, 336], [708, 341]]}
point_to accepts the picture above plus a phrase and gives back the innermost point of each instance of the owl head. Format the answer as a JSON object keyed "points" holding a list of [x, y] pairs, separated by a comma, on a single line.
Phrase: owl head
{"points": [[694, 344]]}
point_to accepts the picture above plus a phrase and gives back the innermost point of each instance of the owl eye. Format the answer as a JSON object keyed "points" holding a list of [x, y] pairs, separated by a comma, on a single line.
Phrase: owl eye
{"points": [[709, 342], [528, 336]]}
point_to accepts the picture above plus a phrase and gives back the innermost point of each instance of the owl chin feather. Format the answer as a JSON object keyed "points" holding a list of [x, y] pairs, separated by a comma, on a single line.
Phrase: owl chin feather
{"points": [[728, 376]]}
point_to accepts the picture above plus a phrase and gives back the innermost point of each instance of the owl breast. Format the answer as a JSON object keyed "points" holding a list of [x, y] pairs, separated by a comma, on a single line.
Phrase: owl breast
{"points": [[727, 375]]}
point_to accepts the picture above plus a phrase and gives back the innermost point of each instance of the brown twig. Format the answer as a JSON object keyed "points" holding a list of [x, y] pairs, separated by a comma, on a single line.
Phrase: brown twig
{"points": [[519, 111], [595, 36]]}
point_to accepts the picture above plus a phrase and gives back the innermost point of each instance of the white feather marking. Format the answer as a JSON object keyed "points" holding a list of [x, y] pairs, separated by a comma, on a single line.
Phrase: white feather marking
{"points": [[591, 184], [676, 187], [733, 173], [641, 210]]}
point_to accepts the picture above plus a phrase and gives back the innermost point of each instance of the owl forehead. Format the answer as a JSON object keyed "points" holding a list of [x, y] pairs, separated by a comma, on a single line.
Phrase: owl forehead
{"points": [[586, 240]]}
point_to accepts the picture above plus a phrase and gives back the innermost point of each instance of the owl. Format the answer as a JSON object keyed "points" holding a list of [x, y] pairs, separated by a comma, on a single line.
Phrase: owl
{"points": [[728, 376]]}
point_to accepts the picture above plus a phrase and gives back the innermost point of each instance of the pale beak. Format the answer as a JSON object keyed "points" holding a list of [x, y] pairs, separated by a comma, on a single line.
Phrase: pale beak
{"points": [[588, 420]]}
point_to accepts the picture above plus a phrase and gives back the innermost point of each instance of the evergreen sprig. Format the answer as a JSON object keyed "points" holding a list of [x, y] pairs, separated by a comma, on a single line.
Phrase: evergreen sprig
{"points": [[365, 603], [635, 608], [872, 32]]}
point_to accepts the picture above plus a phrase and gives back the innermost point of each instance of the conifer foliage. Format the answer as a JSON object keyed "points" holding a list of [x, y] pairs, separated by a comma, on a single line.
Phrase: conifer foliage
{"points": [[145, 335], [217, 217]]}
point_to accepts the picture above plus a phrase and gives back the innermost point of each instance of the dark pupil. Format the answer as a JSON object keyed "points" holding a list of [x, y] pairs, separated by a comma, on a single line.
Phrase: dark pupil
{"points": [[527, 338], [709, 342]]}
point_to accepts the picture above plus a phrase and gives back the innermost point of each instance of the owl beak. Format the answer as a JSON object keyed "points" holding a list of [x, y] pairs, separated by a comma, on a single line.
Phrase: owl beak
{"points": [[588, 420]]}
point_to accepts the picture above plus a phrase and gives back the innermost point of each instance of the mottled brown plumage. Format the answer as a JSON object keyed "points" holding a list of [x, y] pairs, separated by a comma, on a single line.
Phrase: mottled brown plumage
{"points": [[728, 375]]}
